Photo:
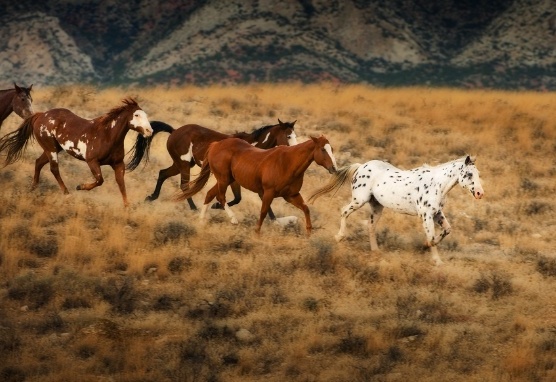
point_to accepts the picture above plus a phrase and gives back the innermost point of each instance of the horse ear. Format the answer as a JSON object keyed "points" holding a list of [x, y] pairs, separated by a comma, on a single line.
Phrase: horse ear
{"points": [[280, 122], [468, 160], [314, 139], [30, 87], [17, 87], [293, 123]]}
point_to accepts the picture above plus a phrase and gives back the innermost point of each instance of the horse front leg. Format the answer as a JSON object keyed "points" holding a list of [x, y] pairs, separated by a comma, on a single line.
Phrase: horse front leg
{"points": [[297, 200], [94, 166], [185, 177], [441, 220], [119, 172], [428, 224]]}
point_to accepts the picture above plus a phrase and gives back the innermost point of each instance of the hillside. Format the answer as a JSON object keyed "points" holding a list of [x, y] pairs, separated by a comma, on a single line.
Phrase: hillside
{"points": [[462, 43]]}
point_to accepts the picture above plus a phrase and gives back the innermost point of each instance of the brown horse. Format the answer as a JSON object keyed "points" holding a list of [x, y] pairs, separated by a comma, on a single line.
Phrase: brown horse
{"points": [[187, 146], [17, 99], [98, 141], [273, 173]]}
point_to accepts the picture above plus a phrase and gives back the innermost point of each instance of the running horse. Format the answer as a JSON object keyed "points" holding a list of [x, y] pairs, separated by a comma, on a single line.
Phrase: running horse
{"points": [[18, 100], [188, 144], [421, 191], [272, 173], [98, 141]]}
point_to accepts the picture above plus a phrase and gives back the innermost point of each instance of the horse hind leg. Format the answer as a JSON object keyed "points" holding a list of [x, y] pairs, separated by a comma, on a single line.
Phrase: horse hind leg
{"points": [[297, 200], [162, 176], [51, 157], [347, 210], [376, 213]]}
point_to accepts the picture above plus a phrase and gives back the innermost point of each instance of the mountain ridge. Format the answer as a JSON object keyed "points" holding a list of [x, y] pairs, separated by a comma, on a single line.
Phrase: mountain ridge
{"points": [[469, 43]]}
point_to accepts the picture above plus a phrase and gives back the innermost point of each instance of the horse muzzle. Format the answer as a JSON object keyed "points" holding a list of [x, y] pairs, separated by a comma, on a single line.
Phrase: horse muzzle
{"points": [[478, 194]]}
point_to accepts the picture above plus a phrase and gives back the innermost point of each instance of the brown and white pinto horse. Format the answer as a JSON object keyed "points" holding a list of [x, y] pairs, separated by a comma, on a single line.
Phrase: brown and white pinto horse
{"points": [[188, 144], [18, 100], [273, 173], [98, 141]]}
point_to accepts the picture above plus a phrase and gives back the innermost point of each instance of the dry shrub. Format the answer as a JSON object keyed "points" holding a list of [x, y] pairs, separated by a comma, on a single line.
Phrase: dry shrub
{"points": [[121, 294], [498, 282], [172, 232], [31, 289], [546, 266], [322, 260]]}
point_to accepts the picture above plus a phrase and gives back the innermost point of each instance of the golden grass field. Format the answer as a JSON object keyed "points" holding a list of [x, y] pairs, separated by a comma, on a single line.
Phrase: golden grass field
{"points": [[91, 291]]}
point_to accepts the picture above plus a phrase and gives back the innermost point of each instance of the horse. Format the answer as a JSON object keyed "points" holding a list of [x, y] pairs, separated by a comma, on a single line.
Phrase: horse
{"points": [[272, 173], [187, 146], [421, 191], [98, 141], [18, 100]]}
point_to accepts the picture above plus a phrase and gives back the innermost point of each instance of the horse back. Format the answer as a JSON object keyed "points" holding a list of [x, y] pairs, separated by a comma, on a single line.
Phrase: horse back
{"points": [[193, 137]]}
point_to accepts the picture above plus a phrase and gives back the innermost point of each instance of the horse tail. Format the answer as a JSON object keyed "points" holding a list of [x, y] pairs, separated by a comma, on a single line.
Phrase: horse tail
{"points": [[198, 183], [340, 177], [142, 145], [16, 142]]}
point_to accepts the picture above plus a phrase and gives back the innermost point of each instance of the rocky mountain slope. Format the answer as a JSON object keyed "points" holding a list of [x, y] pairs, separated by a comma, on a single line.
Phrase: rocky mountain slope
{"points": [[476, 43]]}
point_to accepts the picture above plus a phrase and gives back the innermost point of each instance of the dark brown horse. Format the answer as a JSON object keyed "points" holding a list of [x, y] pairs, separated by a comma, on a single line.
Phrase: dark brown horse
{"points": [[273, 173], [188, 145], [98, 141], [18, 100]]}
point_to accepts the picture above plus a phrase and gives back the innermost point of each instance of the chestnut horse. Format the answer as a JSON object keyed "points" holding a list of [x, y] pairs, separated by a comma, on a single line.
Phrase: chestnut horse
{"points": [[272, 173], [187, 146], [98, 141], [18, 100]]}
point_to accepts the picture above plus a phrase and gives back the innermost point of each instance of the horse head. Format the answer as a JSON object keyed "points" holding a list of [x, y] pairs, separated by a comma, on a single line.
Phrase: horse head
{"points": [[139, 120], [469, 178], [22, 102], [323, 154], [286, 135]]}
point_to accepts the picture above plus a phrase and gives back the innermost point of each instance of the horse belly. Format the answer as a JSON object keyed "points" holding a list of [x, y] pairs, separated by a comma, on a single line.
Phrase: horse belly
{"points": [[396, 197]]}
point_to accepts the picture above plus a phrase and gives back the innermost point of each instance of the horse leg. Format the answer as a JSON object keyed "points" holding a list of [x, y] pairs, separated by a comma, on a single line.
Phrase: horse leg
{"points": [[354, 205], [236, 190], [221, 197], [162, 176], [53, 159], [211, 194], [94, 166], [297, 200], [441, 220], [376, 213], [39, 164], [119, 172], [428, 224], [266, 198], [185, 176]]}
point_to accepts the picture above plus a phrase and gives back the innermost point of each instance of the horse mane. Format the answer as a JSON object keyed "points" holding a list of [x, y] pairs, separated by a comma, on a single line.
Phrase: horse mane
{"points": [[255, 133], [129, 103], [461, 159]]}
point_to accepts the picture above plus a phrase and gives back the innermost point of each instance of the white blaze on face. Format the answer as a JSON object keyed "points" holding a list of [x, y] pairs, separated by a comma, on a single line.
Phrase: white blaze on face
{"points": [[140, 120], [188, 155], [292, 139], [328, 149]]}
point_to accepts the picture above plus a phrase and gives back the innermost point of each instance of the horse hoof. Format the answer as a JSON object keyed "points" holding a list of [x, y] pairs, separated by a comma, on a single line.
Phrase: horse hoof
{"points": [[149, 198], [78, 188], [339, 237], [216, 206], [234, 221]]}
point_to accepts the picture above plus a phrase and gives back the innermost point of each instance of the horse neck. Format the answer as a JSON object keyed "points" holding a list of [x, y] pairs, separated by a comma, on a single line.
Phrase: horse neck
{"points": [[116, 135], [301, 156], [449, 173], [6, 106]]}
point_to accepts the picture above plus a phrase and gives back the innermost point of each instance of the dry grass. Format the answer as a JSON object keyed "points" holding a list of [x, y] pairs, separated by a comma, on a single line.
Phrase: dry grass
{"points": [[91, 290]]}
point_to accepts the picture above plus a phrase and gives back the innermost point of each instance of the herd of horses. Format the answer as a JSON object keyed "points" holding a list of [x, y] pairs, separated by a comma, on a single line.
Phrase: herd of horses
{"points": [[268, 161]]}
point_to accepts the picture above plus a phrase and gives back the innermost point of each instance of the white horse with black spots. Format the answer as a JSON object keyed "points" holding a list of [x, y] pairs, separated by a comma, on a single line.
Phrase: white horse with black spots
{"points": [[421, 191]]}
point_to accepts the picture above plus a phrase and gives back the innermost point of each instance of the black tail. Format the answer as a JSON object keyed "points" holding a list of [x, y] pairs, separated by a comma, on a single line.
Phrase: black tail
{"points": [[16, 141], [142, 145]]}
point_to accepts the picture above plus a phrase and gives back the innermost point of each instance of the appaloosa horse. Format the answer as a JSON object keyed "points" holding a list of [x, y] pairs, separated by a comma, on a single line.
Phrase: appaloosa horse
{"points": [[18, 100], [273, 173], [188, 144], [421, 191], [98, 141]]}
